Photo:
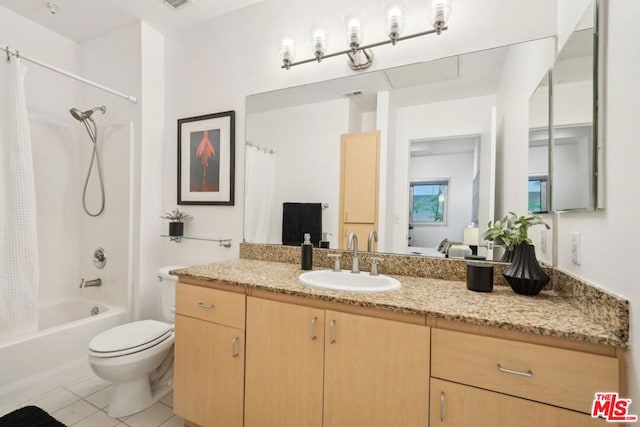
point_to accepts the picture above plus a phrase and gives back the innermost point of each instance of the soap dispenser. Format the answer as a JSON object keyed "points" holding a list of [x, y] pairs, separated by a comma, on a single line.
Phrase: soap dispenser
{"points": [[324, 243], [306, 261]]}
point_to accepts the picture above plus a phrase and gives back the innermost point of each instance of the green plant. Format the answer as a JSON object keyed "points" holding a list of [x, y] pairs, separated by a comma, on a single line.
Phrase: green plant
{"points": [[176, 215], [512, 230]]}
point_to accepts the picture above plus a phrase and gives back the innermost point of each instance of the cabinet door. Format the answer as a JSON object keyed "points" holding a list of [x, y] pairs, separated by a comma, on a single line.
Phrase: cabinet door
{"points": [[209, 373], [362, 231], [360, 165], [285, 347], [376, 372], [456, 405]]}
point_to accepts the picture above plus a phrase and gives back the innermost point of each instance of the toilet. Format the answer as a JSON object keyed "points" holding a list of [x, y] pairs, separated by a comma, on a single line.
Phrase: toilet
{"points": [[137, 357]]}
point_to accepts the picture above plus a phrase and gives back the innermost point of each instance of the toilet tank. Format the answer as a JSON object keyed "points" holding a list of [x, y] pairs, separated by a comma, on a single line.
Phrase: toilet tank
{"points": [[167, 284]]}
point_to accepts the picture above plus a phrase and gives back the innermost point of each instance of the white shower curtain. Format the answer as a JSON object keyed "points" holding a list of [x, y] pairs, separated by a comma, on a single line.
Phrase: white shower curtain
{"points": [[259, 185], [19, 272]]}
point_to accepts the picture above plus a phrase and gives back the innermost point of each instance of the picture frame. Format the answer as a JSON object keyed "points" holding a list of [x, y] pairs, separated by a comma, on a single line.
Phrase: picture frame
{"points": [[206, 159]]}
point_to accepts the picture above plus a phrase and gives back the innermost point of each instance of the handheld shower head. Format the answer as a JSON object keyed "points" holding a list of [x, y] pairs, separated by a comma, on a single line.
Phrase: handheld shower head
{"points": [[80, 115]]}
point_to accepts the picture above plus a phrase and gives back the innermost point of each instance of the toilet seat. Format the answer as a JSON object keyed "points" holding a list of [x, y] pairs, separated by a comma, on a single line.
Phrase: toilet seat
{"points": [[130, 338]]}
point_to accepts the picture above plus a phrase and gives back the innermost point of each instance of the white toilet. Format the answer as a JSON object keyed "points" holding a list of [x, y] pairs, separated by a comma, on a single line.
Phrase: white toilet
{"points": [[137, 357]]}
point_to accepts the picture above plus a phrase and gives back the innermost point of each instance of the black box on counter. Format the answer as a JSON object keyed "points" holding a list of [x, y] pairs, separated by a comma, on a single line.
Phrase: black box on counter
{"points": [[479, 277]]}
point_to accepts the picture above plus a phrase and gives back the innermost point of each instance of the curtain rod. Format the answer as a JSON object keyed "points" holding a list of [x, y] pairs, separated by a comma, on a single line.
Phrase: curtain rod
{"points": [[17, 54]]}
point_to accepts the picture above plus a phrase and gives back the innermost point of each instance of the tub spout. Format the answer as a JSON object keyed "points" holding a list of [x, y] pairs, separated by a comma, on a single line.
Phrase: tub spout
{"points": [[89, 283]]}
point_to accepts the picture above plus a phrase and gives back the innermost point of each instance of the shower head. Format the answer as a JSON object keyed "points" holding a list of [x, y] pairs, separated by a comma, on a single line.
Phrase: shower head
{"points": [[83, 115]]}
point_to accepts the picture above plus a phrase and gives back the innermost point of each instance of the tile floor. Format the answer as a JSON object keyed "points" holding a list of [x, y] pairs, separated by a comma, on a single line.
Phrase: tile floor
{"points": [[84, 403]]}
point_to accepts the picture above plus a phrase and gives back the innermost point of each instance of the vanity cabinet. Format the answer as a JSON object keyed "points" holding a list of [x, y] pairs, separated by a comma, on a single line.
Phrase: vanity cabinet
{"points": [[376, 372], [209, 356], [315, 367], [285, 357], [457, 405], [495, 376]]}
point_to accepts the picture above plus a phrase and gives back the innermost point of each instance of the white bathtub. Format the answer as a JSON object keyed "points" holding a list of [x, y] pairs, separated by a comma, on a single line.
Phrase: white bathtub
{"points": [[58, 348]]}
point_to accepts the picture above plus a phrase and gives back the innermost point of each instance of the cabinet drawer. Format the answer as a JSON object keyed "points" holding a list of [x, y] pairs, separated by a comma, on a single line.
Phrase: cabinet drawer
{"points": [[213, 305], [560, 377]]}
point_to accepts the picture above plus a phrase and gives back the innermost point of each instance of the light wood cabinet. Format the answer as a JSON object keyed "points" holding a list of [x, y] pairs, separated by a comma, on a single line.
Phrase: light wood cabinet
{"points": [[209, 357], [363, 371], [359, 186], [556, 376], [284, 372], [456, 405], [376, 372]]}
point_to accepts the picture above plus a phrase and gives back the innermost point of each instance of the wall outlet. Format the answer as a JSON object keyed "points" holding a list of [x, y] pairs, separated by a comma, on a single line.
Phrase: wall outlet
{"points": [[543, 241], [575, 248]]}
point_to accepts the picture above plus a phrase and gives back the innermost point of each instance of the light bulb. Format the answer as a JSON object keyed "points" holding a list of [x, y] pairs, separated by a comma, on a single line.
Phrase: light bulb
{"points": [[353, 23], [394, 9], [318, 40], [287, 49], [439, 14]]}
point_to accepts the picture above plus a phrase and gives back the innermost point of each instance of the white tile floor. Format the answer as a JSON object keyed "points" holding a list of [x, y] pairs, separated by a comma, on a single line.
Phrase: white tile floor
{"points": [[84, 402]]}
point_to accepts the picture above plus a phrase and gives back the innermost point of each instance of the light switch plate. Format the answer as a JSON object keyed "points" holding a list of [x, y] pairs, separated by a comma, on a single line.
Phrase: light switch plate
{"points": [[575, 248]]}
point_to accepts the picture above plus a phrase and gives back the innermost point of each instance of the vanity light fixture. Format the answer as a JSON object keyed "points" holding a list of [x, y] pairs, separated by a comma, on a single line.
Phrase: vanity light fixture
{"points": [[361, 56]]}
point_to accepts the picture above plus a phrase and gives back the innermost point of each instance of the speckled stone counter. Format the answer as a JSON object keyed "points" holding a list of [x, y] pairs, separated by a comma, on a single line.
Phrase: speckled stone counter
{"points": [[549, 313]]}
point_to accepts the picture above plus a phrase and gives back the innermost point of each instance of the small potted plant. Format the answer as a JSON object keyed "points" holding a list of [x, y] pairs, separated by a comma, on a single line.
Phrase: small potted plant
{"points": [[511, 231], [524, 275], [176, 226]]}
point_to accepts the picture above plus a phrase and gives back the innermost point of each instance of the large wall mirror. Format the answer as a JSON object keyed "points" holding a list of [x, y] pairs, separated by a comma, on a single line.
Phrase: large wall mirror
{"points": [[437, 157], [574, 166]]}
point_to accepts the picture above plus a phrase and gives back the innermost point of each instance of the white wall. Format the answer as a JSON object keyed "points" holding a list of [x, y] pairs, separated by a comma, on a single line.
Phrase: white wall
{"points": [[441, 119], [609, 237], [311, 132], [458, 168], [55, 153]]}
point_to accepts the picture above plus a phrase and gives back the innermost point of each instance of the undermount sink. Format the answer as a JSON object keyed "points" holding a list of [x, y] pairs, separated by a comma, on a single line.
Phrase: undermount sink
{"points": [[346, 281]]}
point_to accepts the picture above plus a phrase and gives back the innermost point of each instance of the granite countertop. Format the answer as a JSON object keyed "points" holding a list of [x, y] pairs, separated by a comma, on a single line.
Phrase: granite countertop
{"points": [[546, 314]]}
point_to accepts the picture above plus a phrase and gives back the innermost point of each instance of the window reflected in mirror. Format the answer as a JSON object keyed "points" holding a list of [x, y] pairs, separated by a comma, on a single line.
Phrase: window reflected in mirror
{"points": [[428, 202]]}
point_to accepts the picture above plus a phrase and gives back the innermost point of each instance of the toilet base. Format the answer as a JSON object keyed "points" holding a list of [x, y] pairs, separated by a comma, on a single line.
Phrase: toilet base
{"points": [[127, 398]]}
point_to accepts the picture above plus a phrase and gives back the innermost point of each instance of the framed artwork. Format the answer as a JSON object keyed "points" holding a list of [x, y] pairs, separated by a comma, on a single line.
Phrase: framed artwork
{"points": [[206, 159]]}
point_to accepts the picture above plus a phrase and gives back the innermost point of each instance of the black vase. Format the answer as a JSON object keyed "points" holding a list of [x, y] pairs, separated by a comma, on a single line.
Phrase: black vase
{"points": [[524, 275], [176, 229], [508, 255]]}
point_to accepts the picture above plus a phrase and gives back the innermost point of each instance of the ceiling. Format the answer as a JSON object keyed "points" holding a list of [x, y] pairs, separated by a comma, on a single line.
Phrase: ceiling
{"points": [[80, 20]]}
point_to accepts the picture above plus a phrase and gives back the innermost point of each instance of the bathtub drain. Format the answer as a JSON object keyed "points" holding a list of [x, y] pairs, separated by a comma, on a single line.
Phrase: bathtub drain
{"points": [[95, 310]]}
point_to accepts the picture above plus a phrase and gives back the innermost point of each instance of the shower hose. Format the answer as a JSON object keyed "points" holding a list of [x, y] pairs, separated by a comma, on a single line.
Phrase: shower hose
{"points": [[95, 156]]}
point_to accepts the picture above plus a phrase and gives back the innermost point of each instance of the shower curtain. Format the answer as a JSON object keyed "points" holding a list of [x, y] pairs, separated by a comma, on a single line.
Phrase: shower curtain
{"points": [[19, 272], [259, 185]]}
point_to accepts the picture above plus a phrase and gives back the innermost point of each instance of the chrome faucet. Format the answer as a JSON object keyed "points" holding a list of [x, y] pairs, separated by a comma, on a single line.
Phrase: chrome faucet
{"points": [[373, 235], [352, 243], [90, 283]]}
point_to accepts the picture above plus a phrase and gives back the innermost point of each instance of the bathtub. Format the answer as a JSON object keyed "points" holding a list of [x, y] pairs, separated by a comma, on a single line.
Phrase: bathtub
{"points": [[47, 357]]}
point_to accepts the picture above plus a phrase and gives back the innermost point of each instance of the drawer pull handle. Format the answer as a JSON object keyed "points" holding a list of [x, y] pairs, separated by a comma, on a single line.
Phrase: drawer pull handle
{"points": [[332, 333], [527, 374], [234, 347], [442, 406], [313, 328], [203, 305]]}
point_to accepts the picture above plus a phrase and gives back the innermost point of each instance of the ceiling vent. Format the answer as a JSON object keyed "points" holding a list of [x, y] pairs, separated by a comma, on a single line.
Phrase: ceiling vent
{"points": [[353, 93], [176, 4]]}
